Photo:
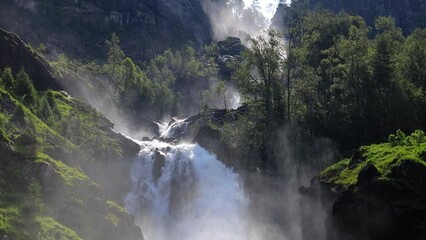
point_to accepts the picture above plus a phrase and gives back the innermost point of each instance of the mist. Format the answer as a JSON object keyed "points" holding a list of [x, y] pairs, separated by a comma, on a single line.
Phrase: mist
{"points": [[184, 191], [242, 21]]}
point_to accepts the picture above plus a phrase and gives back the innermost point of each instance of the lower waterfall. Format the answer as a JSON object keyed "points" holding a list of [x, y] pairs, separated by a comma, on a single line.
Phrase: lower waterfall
{"points": [[184, 192]]}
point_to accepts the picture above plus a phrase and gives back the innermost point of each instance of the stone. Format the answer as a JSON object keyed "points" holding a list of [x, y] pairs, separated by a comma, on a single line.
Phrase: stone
{"points": [[159, 162], [367, 174], [145, 139]]}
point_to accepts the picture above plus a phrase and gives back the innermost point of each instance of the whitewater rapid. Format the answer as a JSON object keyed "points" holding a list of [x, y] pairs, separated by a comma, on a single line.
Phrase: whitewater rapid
{"points": [[184, 192]]}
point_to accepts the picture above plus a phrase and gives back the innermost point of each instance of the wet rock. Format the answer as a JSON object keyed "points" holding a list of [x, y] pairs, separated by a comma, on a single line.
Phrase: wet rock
{"points": [[145, 139], [6, 149], [367, 174], [356, 159], [159, 162], [230, 51], [423, 156], [231, 46]]}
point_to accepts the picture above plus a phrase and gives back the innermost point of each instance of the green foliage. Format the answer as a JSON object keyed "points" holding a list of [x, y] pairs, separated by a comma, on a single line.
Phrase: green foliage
{"points": [[244, 134], [399, 139], [413, 62], [52, 138], [25, 88], [52, 230], [258, 76], [156, 89], [220, 92], [7, 218], [70, 175], [383, 156], [112, 219], [41, 48], [334, 81], [115, 56], [7, 78], [115, 207]]}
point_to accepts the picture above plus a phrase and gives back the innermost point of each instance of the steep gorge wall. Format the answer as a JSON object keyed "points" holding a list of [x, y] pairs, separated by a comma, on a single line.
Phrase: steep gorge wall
{"points": [[80, 28]]}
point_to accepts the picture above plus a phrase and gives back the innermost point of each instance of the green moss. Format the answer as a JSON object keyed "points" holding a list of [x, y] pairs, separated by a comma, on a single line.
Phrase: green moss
{"points": [[50, 229], [70, 175], [8, 216], [56, 125], [112, 219], [4, 137], [115, 207], [384, 156]]}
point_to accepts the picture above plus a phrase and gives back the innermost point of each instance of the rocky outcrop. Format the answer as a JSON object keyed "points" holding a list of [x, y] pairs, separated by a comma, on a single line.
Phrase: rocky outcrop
{"points": [[373, 208], [205, 129], [230, 50], [14, 53]]}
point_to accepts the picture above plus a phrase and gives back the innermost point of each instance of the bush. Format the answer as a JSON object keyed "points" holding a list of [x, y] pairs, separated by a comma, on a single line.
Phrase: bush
{"points": [[7, 77], [400, 139]]}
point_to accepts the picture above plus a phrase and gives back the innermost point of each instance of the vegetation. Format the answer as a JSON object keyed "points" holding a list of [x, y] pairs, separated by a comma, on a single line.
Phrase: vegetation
{"points": [[333, 77], [47, 139], [331, 80], [384, 157], [167, 81], [51, 229]]}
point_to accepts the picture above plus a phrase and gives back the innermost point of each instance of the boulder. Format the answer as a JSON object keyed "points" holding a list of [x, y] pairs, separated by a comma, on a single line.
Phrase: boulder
{"points": [[367, 174]]}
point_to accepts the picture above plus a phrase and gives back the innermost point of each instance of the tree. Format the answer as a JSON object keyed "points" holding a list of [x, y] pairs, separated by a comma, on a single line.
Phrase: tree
{"points": [[259, 74], [115, 56], [8, 80], [220, 92], [25, 88], [413, 60]]}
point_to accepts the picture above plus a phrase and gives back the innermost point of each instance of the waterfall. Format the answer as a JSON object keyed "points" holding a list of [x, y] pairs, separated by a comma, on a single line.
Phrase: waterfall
{"points": [[184, 192]]}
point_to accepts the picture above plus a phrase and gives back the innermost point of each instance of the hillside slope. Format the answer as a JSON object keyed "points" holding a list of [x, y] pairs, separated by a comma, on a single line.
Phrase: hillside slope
{"points": [[64, 172]]}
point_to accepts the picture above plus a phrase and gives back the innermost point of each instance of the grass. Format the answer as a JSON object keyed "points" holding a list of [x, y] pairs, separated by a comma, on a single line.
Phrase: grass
{"points": [[115, 207], [50, 229], [55, 125], [70, 175], [112, 219], [8, 216], [383, 156]]}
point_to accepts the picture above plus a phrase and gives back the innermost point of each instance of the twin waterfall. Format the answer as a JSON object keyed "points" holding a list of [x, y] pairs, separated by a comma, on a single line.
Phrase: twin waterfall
{"points": [[184, 192]]}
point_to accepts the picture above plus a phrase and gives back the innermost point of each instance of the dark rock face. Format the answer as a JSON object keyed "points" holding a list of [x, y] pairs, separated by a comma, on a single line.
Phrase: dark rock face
{"points": [[230, 50], [367, 174], [376, 209], [80, 28], [356, 159], [408, 14], [159, 162], [16, 55], [231, 46]]}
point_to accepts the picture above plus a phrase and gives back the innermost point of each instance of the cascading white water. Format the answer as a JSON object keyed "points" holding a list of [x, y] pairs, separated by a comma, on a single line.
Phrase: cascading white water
{"points": [[184, 192], [172, 129]]}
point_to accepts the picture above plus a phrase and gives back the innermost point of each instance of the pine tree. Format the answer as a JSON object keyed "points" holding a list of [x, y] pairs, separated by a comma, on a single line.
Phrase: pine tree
{"points": [[115, 56]]}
